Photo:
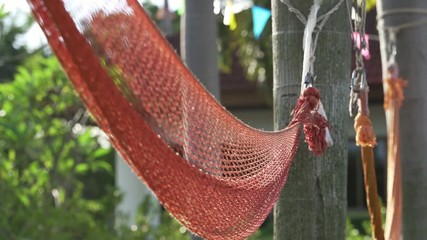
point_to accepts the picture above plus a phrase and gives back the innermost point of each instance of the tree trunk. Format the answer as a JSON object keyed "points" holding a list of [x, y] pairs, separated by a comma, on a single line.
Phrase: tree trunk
{"points": [[166, 22], [314, 200], [411, 57], [198, 45]]}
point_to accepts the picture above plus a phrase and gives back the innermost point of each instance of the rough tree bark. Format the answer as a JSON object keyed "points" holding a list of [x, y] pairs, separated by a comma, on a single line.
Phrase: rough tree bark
{"points": [[314, 200], [412, 60]]}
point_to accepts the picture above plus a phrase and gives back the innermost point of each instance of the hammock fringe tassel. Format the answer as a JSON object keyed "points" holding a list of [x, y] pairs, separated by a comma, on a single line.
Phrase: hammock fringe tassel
{"points": [[365, 135], [366, 139], [306, 112]]}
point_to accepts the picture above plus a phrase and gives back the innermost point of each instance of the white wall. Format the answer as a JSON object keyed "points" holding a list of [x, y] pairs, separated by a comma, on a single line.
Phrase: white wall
{"points": [[134, 191]]}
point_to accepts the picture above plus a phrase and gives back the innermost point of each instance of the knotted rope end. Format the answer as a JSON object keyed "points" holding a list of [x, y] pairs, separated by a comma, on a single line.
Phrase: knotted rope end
{"points": [[395, 92], [365, 135], [315, 125]]}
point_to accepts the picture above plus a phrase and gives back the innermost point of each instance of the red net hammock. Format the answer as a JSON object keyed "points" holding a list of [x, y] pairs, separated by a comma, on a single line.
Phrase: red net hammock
{"points": [[217, 176]]}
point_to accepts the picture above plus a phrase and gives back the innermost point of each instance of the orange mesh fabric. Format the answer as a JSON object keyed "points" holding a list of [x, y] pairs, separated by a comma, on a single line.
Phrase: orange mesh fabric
{"points": [[217, 176]]}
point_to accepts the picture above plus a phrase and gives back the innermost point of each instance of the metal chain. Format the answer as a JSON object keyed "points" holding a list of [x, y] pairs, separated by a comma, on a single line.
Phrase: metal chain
{"points": [[358, 77], [359, 28]]}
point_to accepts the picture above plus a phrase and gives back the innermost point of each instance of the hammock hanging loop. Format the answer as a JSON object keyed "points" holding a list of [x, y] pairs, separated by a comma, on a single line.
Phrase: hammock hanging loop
{"points": [[310, 78], [392, 46]]}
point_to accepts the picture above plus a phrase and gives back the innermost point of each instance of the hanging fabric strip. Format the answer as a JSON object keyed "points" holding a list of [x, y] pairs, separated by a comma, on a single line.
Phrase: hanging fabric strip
{"points": [[229, 17], [365, 136], [260, 17], [393, 98], [307, 45]]}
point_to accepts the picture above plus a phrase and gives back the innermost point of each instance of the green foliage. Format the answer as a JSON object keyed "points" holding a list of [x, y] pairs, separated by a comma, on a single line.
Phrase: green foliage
{"points": [[11, 53], [56, 178], [354, 233], [265, 232], [166, 228], [3, 12], [359, 224], [50, 160], [254, 55]]}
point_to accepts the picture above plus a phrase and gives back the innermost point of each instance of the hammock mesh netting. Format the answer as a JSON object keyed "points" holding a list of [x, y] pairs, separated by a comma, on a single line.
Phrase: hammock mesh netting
{"points": [[219, 177]]}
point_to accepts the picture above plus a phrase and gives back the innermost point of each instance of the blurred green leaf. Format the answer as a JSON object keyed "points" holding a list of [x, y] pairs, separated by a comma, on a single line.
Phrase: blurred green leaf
{"points": [[101, 152], [25, 200], [12, 155], [3, 12], [103, 166], [82, 168]]}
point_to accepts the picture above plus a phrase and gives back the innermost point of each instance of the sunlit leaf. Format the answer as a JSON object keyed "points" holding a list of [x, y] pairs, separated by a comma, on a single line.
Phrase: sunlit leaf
{"points": [[101, 152], [81, 168], [24, 199], [12, 155], [103, 165], [66, 165]]}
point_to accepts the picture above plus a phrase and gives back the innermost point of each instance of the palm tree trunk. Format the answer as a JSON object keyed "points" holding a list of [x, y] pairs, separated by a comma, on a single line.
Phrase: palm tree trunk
{"points": [[198, 43], [314, 200]]}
